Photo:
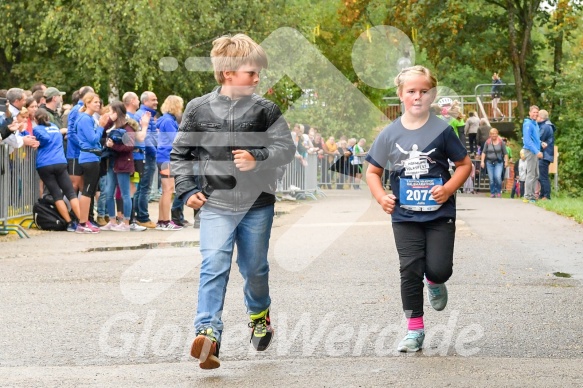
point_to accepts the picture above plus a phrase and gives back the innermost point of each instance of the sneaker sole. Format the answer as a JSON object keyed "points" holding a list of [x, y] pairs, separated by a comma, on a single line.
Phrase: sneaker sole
{"points": [[86, 232], [408, 350], [203, 349], [262, 349]]}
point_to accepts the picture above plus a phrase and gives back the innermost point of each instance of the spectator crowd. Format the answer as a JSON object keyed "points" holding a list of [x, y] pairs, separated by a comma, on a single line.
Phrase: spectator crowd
{"points": [[98, 162]]}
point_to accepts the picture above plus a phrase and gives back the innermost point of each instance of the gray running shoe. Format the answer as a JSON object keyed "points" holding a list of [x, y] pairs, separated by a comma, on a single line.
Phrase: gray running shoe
{"points": [[412, 342], [437, 295]]}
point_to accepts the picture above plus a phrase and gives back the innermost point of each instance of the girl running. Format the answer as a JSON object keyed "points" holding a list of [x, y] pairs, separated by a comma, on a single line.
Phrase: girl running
{"points": [[417, 147]]}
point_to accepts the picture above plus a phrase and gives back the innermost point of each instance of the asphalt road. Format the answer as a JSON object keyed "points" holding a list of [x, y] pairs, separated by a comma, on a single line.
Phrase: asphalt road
{"points": [[73, 313]]}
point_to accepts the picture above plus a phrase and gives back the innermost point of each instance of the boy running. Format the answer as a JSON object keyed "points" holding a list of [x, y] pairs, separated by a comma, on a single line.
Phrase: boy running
{"points": [[235, 140]]}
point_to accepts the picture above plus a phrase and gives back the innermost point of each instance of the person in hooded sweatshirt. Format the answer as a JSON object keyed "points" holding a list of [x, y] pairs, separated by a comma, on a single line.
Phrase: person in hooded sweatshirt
{"points": [[547, 138], [51, 165]]}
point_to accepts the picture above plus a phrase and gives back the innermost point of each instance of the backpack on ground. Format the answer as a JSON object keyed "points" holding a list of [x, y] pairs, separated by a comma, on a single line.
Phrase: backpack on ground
{"points": [[46, 216]]}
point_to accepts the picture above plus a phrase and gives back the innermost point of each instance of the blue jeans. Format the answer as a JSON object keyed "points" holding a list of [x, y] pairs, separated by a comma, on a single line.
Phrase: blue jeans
{"points": [[177, 203], [101, 202], [543, 177], [142, 195], [219, 232], [122, 180], [495, 176]]}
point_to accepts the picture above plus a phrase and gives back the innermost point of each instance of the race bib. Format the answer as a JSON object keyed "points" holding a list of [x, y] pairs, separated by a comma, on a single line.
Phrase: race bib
{"points": [[415, 194]]}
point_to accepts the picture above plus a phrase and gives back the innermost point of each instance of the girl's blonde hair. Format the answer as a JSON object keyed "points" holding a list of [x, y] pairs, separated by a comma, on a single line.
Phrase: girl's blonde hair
{"points": [[229, 53], [411, 72], [173, 105]]}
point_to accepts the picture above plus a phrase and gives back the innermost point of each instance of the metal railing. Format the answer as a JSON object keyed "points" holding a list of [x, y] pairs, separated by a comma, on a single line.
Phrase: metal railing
{"points": [[301, 177], [477, 103], [19, 187]]}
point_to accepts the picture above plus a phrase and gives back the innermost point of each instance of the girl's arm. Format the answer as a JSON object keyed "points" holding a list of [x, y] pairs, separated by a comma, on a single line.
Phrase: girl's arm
{"points": [[462, 172], [373, 179]]}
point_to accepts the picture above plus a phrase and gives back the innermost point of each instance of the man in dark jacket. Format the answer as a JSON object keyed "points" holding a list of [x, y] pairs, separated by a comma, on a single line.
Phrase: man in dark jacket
{"points": [[53, 100], [547, 138], [6, 128]]}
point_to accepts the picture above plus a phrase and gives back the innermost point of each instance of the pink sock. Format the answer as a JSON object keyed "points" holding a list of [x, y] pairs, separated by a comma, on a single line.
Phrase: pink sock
{"points": [[415, 323], [429, 281]]}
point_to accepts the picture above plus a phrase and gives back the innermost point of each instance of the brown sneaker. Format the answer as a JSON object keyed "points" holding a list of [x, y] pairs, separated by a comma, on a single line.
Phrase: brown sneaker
{"points": [[148, 224], [205, 348], [101, 221]]}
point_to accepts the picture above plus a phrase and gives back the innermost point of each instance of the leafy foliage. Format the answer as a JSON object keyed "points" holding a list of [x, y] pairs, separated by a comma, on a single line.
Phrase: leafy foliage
{"points": [[117, 46]]}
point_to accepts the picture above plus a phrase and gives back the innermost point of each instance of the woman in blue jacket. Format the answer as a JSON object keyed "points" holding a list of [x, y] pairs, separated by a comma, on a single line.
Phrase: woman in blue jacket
{"points": [[167, 128], [89, 134], [51, 166]]}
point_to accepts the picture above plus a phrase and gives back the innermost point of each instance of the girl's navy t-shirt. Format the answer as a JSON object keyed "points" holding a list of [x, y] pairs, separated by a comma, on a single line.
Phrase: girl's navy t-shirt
{"points": [[435, 142]]}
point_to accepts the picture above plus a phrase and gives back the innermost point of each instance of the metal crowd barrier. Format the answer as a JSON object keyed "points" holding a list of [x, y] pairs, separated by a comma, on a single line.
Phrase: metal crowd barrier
{"points": [[19, 188], [310, 177], [301, 178]]}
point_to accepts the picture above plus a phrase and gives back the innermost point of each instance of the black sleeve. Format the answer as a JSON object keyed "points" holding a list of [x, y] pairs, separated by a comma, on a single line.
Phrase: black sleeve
{"points": [[184, 156], [4, 123], [280, 148]]}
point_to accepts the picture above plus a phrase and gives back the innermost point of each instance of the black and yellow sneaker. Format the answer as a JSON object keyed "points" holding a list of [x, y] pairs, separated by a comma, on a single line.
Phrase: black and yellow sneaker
{"points": [[261, 330], [205, 348]]}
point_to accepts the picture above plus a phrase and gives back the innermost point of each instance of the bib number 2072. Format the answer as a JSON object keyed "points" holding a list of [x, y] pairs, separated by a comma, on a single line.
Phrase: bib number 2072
{"points": [[419, 195]]}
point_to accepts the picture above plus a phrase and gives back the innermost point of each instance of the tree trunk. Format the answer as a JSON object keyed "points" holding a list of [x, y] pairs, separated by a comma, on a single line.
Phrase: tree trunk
{"points": [[528, 82], [558, 53], [515, 57]]}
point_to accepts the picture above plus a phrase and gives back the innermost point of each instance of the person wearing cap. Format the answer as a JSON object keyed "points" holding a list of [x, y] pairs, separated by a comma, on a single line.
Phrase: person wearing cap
{"points": [[53, 98]]}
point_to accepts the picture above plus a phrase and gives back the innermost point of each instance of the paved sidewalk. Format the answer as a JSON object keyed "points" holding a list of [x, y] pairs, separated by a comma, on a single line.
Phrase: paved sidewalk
{"points": [[75, 314]]}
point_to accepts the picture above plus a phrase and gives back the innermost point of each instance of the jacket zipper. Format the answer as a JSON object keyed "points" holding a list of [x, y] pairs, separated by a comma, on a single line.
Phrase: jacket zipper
{"points": [[231, 148], [203, 181]]}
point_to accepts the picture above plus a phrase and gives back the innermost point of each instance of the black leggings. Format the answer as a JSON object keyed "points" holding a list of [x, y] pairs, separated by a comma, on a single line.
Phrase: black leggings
{"points": [[90, 178], [472, 139], [425, 248], [57, 181]]}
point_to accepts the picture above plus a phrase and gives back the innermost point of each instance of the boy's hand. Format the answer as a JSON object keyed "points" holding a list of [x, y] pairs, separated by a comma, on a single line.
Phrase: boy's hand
{"points": [[244, 161], [196, 201]]}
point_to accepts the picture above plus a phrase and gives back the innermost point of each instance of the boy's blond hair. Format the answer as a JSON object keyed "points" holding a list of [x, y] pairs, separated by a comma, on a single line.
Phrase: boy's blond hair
{"points": [[229, 53]]}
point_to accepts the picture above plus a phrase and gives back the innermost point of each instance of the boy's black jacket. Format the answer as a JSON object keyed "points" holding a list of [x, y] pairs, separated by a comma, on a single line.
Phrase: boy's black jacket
{"points": [[212, 127]]}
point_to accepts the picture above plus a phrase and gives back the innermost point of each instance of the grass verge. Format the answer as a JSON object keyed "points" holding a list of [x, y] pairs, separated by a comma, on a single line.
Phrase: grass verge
{"points": [[565, 206]]}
